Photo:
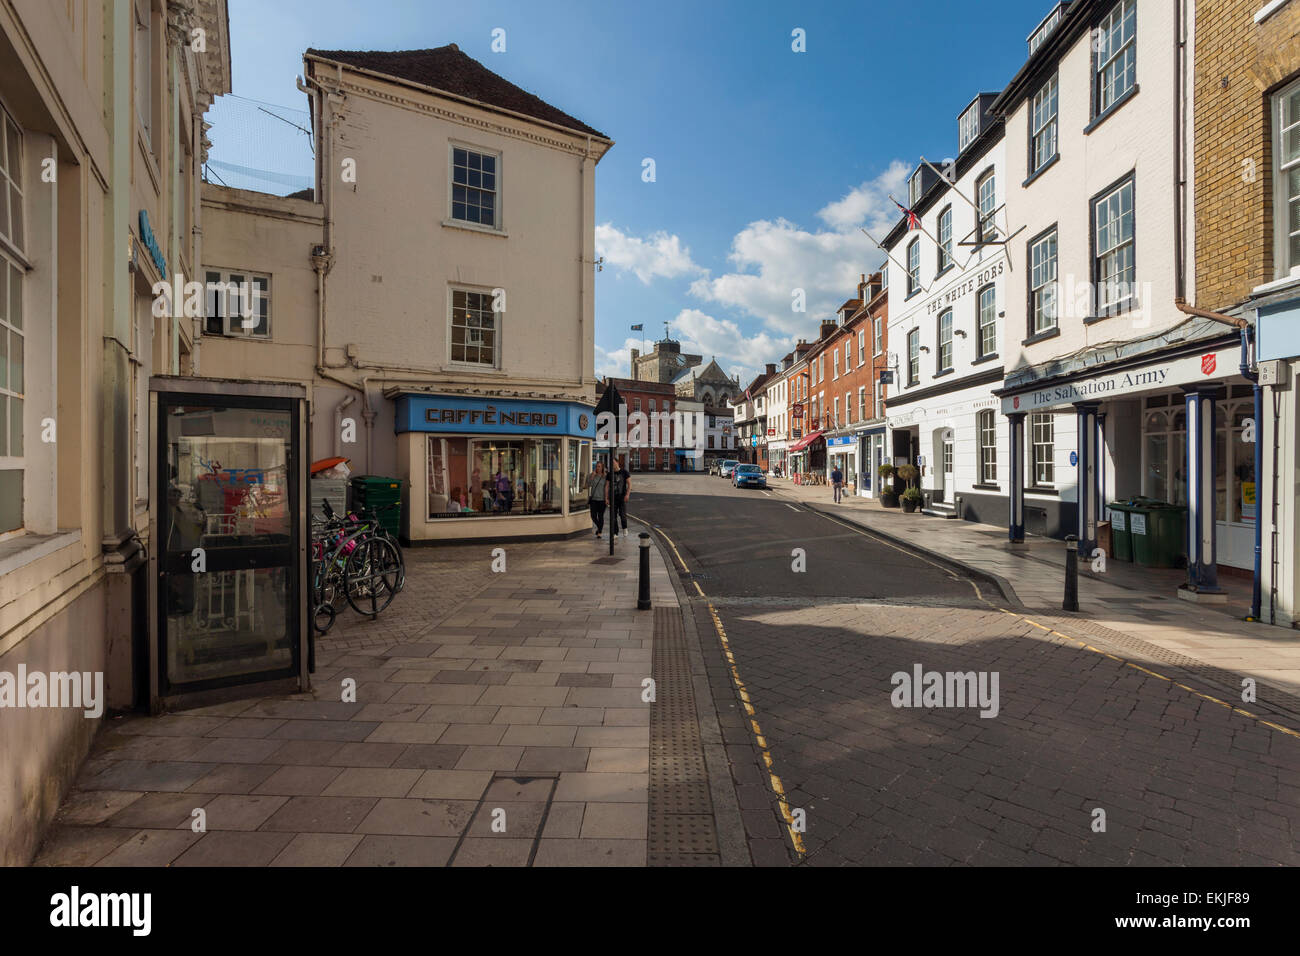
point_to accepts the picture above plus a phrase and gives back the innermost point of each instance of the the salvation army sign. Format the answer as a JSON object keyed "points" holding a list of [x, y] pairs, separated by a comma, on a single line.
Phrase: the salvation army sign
{"points": [[1143, 378]]}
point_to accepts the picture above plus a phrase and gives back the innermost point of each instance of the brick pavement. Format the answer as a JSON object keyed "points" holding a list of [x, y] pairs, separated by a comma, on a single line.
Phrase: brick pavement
{"points": [[520, 706], [1140, 602], [1181, 780]]}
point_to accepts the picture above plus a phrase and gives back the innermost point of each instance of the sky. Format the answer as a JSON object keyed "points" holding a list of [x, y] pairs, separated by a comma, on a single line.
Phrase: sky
{"points": [[768, 162]]}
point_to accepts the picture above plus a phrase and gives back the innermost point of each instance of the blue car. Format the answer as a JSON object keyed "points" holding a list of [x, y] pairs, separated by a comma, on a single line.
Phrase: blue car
{"points": [[748, 476]]}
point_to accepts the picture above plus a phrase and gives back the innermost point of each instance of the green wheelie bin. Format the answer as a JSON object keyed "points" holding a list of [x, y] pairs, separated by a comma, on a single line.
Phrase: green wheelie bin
{"points": [[1121, 538], [1167, 528]]}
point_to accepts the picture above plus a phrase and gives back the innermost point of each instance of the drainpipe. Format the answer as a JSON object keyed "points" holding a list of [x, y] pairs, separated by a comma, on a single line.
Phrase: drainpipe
{"points": [[1247, 332], [339, 409], [196, 230], [369, 414], [1180, 182]]}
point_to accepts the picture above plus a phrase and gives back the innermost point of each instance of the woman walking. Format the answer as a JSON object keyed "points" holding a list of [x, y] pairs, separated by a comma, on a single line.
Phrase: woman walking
{"points": [[596, 482]]}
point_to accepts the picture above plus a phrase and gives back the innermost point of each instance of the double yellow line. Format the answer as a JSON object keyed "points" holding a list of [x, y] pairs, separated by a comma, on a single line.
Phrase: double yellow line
{"points": [[773, 779]]}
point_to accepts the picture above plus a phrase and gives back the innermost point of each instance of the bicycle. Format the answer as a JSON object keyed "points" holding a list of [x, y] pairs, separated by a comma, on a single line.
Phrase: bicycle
{"points": [[357, 557]]}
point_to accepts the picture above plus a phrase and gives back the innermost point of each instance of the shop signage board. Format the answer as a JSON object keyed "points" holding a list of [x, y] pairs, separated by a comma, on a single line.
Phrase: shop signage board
{"points": [[1142, 378], [458, 414]]}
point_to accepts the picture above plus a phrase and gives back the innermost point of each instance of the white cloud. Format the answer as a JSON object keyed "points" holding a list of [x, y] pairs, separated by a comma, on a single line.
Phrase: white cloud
{"points": [[868, 204], [773, 258], [659, 255], [617, 362], [738, 352]]}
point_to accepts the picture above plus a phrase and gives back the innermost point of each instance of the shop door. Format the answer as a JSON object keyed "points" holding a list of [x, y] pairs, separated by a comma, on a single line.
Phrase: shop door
{"points": [[229, 542]]}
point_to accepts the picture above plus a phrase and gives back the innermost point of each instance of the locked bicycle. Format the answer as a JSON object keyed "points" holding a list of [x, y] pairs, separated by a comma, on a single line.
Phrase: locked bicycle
{"points": [[356, 560]]}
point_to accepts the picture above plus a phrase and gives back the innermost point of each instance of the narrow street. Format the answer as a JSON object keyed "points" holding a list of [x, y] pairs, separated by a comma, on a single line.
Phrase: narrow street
{"points": [[1082, 759]]}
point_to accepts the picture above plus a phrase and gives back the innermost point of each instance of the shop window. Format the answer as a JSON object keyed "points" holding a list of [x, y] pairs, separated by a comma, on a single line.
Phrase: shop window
{"points": [[493, 477], [1164, 447], [474, 187], [1042, 432], [474, 329]]}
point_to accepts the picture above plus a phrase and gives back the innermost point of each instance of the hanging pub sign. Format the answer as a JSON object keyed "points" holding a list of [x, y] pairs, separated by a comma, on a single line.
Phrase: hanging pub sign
{"points": [[796, 410]]}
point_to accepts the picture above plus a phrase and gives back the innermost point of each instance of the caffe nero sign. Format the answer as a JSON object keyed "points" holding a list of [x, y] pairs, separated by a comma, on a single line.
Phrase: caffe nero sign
{"points": [[465, 415]]}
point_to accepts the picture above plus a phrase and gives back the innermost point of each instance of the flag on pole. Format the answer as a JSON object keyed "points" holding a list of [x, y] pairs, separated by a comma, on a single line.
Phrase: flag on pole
{"points": [[638, 328], [912, 221]]}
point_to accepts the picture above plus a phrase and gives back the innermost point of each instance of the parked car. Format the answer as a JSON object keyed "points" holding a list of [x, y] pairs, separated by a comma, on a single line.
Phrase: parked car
{"points": [[727, 466], [748, 476]]}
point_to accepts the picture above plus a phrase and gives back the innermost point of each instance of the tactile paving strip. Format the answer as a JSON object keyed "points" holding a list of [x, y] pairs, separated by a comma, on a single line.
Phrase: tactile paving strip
{"points": [[682, 830]]}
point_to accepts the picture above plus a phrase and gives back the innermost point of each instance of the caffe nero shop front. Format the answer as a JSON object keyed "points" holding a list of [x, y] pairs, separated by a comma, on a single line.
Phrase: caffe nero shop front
{"points": [[477, 467]]}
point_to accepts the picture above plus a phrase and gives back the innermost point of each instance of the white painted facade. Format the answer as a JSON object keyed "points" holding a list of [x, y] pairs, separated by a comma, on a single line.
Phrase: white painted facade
{"points": [[953, 318]]}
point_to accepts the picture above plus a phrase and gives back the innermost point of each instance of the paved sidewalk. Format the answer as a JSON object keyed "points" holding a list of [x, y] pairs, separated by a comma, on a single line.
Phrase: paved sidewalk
{"points": [[1135, 601], [508, 731]]}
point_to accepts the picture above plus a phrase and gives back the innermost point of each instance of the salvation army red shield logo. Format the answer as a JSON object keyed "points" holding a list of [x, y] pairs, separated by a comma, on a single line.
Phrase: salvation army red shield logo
{"points": [[1209, 363], [1015, 402]]}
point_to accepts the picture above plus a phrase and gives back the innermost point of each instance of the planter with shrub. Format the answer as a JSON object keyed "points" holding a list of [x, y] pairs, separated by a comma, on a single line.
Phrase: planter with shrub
{"points": [[911, 499], [888, 497]]}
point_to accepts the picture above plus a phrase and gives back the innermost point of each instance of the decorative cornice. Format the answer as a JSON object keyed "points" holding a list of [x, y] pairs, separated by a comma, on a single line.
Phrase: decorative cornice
{"points": [[464, 118]]}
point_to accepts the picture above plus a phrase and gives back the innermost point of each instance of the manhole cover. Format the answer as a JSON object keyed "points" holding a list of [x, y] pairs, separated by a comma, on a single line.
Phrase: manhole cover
{"points": [[614, 560]]}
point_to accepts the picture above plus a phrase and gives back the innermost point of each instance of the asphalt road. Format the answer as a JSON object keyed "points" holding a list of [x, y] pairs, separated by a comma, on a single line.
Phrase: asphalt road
{"points": [[1075, 741]]}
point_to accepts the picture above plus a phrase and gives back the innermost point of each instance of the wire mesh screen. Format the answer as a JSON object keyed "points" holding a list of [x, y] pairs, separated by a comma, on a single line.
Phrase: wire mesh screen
{"points": [[260, 146]]}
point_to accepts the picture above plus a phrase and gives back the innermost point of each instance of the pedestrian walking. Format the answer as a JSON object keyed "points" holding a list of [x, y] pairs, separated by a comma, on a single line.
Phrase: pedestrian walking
{"points": [[620, 486], [837, 483], [597, 486]]}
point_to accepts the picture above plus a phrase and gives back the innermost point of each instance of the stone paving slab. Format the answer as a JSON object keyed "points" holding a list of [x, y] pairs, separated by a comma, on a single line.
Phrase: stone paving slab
{"points": [[461, 747]]}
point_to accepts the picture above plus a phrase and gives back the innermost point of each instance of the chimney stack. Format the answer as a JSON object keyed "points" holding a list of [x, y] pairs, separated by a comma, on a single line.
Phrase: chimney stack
{"points": [[635, 354], [771, 368]]}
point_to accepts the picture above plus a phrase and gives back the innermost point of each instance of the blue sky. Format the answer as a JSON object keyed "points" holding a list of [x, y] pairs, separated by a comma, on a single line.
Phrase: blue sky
{"points": [[766, 160]]}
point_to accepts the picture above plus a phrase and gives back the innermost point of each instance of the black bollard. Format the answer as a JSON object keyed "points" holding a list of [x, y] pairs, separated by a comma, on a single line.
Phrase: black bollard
{"points": [[643, 598], [1071, 602]]}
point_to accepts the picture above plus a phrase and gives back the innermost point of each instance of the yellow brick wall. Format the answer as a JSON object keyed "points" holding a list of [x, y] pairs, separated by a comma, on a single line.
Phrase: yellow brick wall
{"points": [[1238, 64]]}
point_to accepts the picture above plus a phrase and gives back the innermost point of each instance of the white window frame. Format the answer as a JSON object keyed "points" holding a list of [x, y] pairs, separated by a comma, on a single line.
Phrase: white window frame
{"points": [[1042, 443], [862, 403], [1040, 282], [968, 126], [1106, 93], [1114, 201], [987, 229], [1284, 264], [943, 336], [862, 347], [914, 268], [233, 324], [496, 330], [836, 363], [1043, 110], [986, 431], [944, 235], [498, 224], [913, 356], [877, 335], [986, 329]]}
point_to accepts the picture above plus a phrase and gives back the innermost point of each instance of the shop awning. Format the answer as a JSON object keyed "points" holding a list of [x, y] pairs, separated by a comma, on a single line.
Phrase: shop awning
{"points": [[803, 443]]}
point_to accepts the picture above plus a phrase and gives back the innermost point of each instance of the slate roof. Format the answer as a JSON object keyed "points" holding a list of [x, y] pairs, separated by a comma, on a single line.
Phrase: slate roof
{"points": [[446, 68]]}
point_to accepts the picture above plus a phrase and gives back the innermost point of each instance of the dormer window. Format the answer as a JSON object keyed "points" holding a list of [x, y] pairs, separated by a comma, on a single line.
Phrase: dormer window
{"points": [[1044, 29], [968, 126], [914, 190]]}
